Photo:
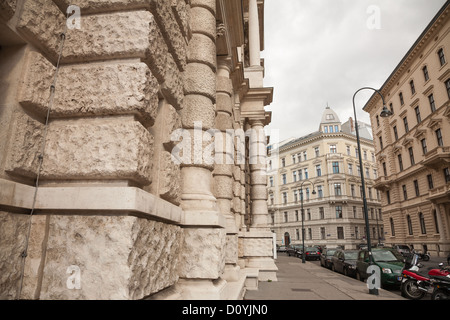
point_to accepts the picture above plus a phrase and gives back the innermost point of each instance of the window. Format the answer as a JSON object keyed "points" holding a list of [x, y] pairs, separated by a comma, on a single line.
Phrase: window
{"points": [[441, 56], [319, 192], [356, 152], [425, 73], [305, 156], [413, 89], [293, 158], [391, 107], [271, 198], [348, 150], [354, 212], [335, 167], [321, 213], [322, 233], [410, 228], [333, 148], [405, 122], [430, 181], [285, 216], [340, 232], [381, 143], [307, 193], [447, 85], [318, 170], [373, 156], [352, 190], [378, 120], [436, 224], [310, 233], [402, 101], [296, 215], [411, 156], [384, 169], [375, 174], [331, 129], [416, 188], [271, 181], [299, 157], [400, 162], [336, 128], [423, 142], [350, 169], [338, 212], [439, 138], [306, 173], [388, 197], [365, 154], [284, 197], [297, 234], [295, 196], [423, 229], [284, 178], [447, 175], [316, 151], [395, 132], [294, 176], [300, 175], [337, 189], [417, 110], [356, 232], [283, 162], [392, 226], [308, 214], [325, 129], [405, 193], [432, 103]]}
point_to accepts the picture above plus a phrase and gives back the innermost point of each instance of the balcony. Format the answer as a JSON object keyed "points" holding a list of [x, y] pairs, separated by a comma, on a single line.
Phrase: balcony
{"points": [[440, 194], [382, 183], [437, 157]]}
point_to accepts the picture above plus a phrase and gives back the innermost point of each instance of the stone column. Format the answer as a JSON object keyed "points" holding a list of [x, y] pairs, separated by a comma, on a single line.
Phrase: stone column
{"points": [[223, 171], [253, 31], [203, 252], [258, 242]]}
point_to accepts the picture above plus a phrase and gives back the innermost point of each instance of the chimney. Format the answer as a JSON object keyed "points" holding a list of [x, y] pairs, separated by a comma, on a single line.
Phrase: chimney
{"points": [[352, 127]]}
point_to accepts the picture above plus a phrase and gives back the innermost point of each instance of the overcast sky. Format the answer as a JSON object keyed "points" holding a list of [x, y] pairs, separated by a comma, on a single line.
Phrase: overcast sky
{"points": [[323, 51]]}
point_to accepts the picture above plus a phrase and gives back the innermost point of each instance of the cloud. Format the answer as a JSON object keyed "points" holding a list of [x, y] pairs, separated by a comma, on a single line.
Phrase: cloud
{"points": [[322, 51]]}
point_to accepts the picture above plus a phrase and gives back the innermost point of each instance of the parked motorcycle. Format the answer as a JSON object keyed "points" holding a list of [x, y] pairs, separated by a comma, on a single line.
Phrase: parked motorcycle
{"points": [[441, 284], [422, 256], [414, 286]]}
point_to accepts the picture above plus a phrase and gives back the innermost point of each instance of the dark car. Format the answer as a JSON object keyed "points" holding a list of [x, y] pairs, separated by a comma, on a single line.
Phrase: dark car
{"points": [[325, 257], [294, 250], [312, 253], [344, 261], [389, 261], [403, 249]]}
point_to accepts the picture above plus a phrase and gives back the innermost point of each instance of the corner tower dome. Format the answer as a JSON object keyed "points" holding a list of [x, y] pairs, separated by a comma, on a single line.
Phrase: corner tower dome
{"points": [[330, 122]]}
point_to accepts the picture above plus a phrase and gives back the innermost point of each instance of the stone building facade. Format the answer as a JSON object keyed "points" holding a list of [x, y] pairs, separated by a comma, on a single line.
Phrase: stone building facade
{"points": [[413, 145], [110, 115], [327, 162]]}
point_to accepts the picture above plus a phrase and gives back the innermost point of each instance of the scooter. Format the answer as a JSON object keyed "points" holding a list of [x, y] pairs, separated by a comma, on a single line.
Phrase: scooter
{"points": [[422, 256], [414, 286]]}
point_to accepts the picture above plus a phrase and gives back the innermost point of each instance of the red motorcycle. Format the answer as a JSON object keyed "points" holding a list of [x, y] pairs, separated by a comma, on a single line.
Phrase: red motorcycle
{"points": [[414, 286]]}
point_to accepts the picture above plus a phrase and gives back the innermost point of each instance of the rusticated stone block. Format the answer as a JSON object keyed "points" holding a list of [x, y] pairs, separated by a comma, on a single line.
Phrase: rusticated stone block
{"points": [[118, 257], [92, 89], [7, 9], [202, 49], [198, 108], [170, 179], [257, 247], [203, 21], [26, 146], [41, 23], [200, 79], [203, 253], [172, 88], [114, 150], [13, 231]]}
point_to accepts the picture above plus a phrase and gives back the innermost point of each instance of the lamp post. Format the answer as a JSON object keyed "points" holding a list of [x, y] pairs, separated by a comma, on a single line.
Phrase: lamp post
{"points": [[384, 113], [303, 217]]}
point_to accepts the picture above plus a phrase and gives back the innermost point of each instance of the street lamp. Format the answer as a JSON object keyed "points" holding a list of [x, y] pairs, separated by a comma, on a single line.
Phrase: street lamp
{"points": [[384, 113], [303, 216]]}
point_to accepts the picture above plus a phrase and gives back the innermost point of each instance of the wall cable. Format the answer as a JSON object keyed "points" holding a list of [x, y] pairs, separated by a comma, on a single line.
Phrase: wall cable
{"points": [[24, 253]]}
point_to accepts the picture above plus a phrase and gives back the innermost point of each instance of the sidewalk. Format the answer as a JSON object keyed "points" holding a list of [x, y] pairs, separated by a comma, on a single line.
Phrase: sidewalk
{"points": [[309, 281]]}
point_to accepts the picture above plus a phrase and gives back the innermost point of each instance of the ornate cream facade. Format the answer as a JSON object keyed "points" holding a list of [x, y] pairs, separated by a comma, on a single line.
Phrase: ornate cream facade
{"points": [[94, 203], [324, 161], [413, 145]]}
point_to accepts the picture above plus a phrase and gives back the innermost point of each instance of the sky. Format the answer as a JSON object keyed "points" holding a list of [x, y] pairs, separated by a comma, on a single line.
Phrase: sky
{"points": [[320, 52]]}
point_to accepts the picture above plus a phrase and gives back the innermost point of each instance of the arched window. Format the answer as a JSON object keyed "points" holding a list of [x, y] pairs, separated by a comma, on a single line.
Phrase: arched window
{"points": [[423, 229], [392, 227], [410, 228]]}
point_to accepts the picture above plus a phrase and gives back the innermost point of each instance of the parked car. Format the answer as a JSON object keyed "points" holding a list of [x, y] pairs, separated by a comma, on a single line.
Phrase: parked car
{"points": [[403, 249], [312, 253], [388, 260], [344, 261], [325, 257], [281, 248], [294, 250]]}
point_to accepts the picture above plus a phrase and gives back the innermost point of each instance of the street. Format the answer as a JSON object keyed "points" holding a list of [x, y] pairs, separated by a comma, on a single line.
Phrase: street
{"points": [[433, 263]]}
